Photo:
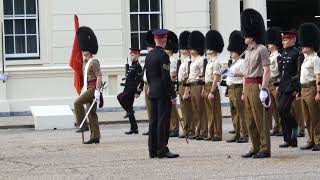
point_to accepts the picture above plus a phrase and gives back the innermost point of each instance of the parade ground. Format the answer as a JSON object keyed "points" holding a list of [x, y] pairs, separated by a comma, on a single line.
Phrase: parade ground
{"points": [[59, 154]]}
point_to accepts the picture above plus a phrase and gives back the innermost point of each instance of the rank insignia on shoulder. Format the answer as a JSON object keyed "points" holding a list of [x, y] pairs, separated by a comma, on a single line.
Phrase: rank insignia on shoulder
{"points": [[166, 67]]}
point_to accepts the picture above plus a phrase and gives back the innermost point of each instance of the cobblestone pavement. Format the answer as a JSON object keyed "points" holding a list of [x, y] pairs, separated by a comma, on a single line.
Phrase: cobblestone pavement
{"points": [[28, 154]]}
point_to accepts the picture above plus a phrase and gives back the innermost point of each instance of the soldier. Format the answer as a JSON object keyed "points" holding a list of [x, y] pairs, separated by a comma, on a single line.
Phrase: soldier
{"points": [[92, 83], [310, 78], [162, 95], [288, 88], [150, 45], [132, 89], [214, 46], [257, 75], [183, 73], [235, 88], [195, 83], [274, 44], [172, 48]]}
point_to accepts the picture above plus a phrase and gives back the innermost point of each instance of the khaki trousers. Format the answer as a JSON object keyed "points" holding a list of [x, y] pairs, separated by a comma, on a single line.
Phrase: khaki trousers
{"points": [[213, 112], [187, 114], [311, 110], [86, 99], [237, 111], [298, 114], [174, 119], [258, 129], [273, 107], [199, 118]]}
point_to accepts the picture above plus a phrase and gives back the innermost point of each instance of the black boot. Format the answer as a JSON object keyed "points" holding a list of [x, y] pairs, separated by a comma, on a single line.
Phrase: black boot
{"points": [[316, 147], [91, 141], [167, 154], [260, 155], [248, 155], [307, 147], [174, 134], [145, 133], [132, 132]]}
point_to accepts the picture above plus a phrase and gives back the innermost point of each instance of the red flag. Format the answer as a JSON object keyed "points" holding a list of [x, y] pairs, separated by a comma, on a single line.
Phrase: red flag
{"points": [[76, 60]]}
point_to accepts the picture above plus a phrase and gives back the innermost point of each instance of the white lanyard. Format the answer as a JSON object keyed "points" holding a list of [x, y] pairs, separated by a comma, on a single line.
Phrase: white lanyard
{"points": [[85, 79]]}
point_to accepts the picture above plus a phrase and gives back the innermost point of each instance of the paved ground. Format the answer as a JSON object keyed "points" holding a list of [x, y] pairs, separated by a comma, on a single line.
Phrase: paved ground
{"points": [[28, 154]]}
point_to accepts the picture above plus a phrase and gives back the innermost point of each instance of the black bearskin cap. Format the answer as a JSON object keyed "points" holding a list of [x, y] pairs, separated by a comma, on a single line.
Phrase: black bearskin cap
{"points": [[196, 42], [273, 36], [183, 40], [172, 42], [309, 36], [236, 42], [87, 40], [214, 41], [149, 39], [252, 25]]}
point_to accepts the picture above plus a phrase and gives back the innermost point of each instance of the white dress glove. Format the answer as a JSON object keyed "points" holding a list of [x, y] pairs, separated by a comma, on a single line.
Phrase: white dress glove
{"points": [[227, 72], [3, 77], [263, 97], [136, 95], [96, 95]]}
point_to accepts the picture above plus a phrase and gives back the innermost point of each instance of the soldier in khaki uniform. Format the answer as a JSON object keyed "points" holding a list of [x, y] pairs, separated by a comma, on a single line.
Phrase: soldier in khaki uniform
{"points": [[235, 88], [257, 75], [274, 43], [309, 79], [183, 74], [298, 114], [195, 82], [150, 45], [172, 48], [92, 83], [214, 46]]}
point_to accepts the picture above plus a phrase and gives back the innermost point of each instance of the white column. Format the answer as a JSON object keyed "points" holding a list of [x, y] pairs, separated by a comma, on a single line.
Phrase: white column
{"points": [[169, 15], [259, 5]]}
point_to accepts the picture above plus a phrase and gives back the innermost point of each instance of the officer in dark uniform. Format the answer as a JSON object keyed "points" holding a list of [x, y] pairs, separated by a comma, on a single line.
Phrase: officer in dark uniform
{"points": [[132, 89], [288, 88], [162, 95]]}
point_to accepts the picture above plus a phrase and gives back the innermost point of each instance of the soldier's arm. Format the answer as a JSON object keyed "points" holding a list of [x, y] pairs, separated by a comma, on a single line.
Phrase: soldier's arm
{"points": [[165, 77], [140, 80]]}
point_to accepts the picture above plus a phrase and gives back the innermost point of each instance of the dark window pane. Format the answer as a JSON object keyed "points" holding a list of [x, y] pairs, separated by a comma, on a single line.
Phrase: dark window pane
{"points": [[134, 40], [31, 26], [8, 26], [9, 45], [144, 5], [155, 21], [144, 22], [31, 6], [134, 22], [31, 44], [155, 5], [8, 7], [20, 44], [133, 5], [19, 26], [18, 6], [143, 41]]}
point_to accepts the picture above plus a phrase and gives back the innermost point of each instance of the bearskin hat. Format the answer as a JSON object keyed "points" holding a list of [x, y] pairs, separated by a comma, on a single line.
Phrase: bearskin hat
{"points": [[309, 36], [214, 41], [252, 25], [236, 42], [273, 36], [183, 40], [172, 42], [87, 40], [149, 39], [196, 42]]}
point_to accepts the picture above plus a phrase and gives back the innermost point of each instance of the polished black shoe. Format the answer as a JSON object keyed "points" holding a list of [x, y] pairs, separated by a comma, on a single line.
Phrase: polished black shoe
{"points": [[82, 130], [152, 155], [91, 141], [307, 147], [248, 155], [242, 140], [301, 135], [260, 155], [192, 137], [199, 138], [316, 147], [167, 154], [208, 139], [232, 132], [132, 132], [216, 139], [145, 133], [284, 145], [231, 140], [174, 134]]}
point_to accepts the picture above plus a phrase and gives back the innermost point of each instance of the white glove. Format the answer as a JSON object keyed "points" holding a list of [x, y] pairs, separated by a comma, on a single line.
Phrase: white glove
{"points": [[227, 72], [3, 77], [263, 97], [96, 95], [136, 95]]}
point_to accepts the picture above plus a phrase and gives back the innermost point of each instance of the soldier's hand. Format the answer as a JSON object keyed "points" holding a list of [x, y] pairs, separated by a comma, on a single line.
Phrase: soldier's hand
{"points": [[210, 96], [317, 98], [174, 101], [242, 97], [136, 95]]}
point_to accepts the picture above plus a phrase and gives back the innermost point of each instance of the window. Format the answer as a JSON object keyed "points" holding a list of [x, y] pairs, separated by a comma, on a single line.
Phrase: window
{"points": [[21, 29], [144, 15]]}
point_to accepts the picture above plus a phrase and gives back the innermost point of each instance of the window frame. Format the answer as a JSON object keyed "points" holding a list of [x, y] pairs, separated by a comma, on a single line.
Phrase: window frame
{"points": [[24, 16], [160, 13]]}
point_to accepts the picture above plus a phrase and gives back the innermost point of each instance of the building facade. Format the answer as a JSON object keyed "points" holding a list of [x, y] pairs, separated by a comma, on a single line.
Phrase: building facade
{"points": [[38, 37]]}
